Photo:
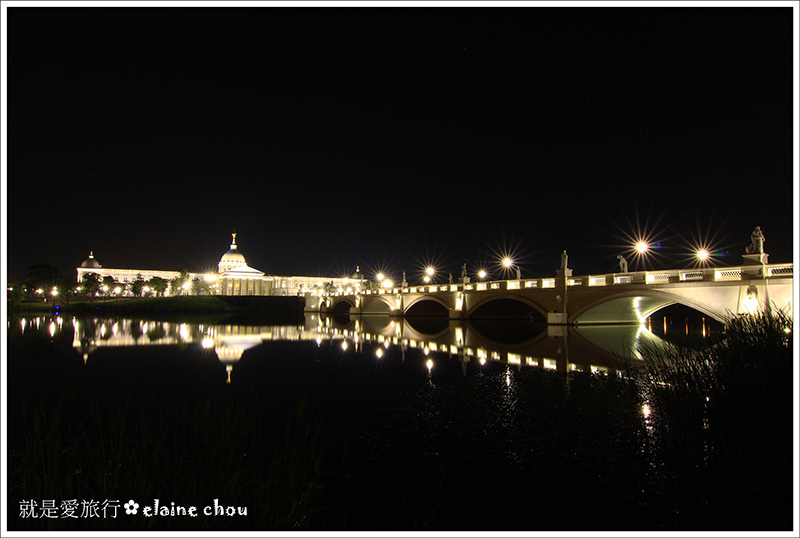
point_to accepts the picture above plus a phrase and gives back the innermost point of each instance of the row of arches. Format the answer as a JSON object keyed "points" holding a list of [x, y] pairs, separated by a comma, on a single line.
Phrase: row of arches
{"points": [[622, 309]]}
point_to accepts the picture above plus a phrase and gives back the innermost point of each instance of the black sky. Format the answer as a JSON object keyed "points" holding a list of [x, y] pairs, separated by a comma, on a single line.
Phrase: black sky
{"points": [[390, 137]]}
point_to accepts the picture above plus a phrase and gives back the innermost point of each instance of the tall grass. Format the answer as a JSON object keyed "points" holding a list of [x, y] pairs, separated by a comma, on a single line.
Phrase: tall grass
{"points": [[727, 414], [228, 446]]}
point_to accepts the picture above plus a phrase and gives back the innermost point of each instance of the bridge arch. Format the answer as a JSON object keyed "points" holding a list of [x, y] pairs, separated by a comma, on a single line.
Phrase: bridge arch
{"points": [[518, 298], [634, 306], [424, 298], [378, 305], [339, 304]]}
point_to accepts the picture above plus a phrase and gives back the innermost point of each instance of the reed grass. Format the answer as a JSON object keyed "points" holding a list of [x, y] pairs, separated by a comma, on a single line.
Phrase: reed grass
{"points": [[727, 415], [227, 446]]}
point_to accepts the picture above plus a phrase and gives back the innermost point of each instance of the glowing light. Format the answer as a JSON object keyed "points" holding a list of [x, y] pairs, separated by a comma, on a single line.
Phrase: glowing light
{"points": [[646, 411], [481, 274], [508, 262], [750, 304], [702, 254], [379, 276], [429, 364], [208, 277], [429, 271], [52, 328], [642, 247], [208, 342], [387, 283], [379, 353]]}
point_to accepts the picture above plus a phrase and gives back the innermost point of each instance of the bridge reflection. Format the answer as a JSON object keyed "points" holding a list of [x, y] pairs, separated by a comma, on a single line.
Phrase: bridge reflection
{"points": [[518, 343]]}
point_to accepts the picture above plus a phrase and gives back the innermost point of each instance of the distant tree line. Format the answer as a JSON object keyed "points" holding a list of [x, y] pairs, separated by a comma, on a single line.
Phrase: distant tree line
{"points": [[45, 283]]}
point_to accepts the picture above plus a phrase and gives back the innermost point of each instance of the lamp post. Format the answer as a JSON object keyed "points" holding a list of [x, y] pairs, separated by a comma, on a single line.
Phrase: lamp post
{"points": [[508, 263]]}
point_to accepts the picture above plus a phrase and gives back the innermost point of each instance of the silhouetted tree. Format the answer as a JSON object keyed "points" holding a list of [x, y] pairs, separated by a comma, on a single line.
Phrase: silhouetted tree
{"points": [[41, 276], [201, 287], [109, 284], [91, 284], [159, 285], [138, 285]]}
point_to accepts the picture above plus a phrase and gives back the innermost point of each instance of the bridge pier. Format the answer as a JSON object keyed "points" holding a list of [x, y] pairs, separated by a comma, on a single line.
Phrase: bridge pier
{"points": [[557, 318]]}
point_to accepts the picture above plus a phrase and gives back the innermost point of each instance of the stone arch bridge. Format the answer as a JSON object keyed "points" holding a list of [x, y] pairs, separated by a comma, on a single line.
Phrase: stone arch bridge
{"points": [[589, 299]]}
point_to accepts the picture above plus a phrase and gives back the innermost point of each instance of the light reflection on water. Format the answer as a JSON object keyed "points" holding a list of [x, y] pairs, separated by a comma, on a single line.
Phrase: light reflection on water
{"points": [[426, 353], [602, 348]]}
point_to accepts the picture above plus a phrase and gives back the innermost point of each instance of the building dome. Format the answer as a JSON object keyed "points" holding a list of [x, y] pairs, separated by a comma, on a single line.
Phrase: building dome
{"points": [[231, 259], [90, 262]]}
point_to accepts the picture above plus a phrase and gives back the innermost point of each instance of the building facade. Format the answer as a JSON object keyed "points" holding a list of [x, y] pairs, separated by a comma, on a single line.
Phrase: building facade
{"points": [[233, 277]]}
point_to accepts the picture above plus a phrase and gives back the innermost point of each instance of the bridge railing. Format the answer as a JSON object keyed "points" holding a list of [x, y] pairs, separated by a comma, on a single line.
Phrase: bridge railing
{"points": [[713, 274]]}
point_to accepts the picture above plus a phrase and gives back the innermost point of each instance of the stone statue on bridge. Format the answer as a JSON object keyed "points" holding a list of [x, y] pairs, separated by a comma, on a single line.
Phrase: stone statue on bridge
{"points": [[564, 260], [623, 263], [450, 278], [756, 245]]}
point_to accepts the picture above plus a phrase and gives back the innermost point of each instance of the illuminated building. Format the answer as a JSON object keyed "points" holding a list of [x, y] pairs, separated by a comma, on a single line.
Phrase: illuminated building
{"points": [[233, 277]]}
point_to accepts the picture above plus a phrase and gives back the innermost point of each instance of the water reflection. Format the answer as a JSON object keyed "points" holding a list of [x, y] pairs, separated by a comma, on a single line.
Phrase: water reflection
{"points": [[517, 343]]}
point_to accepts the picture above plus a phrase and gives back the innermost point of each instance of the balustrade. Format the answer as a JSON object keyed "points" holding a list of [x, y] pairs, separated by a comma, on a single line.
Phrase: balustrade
{"points": [[611, 279]]}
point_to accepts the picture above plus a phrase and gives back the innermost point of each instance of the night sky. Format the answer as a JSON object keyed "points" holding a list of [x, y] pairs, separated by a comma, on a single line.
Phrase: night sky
{"points": [[330, 137]]}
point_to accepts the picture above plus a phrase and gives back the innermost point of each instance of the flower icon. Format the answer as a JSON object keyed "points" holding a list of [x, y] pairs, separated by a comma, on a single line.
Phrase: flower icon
{"points": [[131, 507]]}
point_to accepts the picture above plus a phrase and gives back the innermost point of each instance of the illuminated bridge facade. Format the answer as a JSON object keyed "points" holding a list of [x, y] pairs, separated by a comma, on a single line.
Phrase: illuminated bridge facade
{"points": [[589, 299]]}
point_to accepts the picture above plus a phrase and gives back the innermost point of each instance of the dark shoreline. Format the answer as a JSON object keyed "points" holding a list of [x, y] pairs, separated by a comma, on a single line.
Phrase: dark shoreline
{"points": [[269, 309]]}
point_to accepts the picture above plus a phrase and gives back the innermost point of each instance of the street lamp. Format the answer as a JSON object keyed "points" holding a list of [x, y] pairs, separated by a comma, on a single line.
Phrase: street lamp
{"points": [[702, 254], [481, 274], [508, 263], [642, 247], [429, 272]]}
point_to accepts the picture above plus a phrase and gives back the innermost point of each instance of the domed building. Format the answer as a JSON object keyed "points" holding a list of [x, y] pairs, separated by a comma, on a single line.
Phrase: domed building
{"points": [[90, 262], [237, 278], [233, 277], [232, 258], [123, 276]]}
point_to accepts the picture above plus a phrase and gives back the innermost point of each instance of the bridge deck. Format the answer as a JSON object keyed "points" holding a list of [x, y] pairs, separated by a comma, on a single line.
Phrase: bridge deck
{"points": [[712, 274], [605, 298]]}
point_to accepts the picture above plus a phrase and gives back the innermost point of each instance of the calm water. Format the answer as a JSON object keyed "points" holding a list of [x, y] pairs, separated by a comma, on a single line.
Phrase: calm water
{"points": [[439, 344], [427, 423]]}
